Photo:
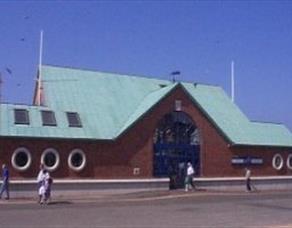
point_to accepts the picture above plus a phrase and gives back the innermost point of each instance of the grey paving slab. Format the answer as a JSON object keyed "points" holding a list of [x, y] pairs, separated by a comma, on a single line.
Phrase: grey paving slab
{"points": [[156, 209]]}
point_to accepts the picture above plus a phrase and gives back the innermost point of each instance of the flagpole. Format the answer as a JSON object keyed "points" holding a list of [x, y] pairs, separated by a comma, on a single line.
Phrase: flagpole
{"points": [[0, 88], [232, 81], [0, 99], [40, 69]]}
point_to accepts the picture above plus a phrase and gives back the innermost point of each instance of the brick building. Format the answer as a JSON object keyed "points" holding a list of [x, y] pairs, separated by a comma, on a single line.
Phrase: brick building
{"points": [[101, 125]]}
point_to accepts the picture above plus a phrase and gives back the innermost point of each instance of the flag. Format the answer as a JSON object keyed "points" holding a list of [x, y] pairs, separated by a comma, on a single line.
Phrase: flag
{"points": [[175, 73]]}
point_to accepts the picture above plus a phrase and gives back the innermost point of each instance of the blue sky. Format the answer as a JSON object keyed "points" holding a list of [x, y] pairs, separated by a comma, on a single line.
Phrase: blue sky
{"points": [[154, 38]]}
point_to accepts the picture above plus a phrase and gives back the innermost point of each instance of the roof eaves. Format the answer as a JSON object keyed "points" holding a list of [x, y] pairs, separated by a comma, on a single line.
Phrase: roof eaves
{"points": [[261, 145]]}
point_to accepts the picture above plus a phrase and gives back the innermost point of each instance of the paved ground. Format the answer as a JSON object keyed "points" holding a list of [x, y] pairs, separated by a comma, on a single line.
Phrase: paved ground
{"points": [[153, 209]]}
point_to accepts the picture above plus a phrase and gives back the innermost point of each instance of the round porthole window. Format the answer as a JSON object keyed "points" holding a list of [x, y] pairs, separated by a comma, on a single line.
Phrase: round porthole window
{"points": [[289, 161], [21, 159], [77, 160], [278, 162], [51, 159]]}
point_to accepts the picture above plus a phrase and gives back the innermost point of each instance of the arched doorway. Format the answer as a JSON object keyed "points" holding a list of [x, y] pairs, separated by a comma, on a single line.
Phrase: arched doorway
{"points": [[176, 142]]}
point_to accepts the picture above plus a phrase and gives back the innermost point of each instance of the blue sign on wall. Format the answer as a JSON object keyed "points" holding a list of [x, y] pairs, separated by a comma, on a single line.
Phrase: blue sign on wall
{"points": [[247, 161]]}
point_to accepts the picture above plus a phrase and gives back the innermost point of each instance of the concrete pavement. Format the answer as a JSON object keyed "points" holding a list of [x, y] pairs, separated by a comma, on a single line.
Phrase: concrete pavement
{"points": [[157, 209], [127, 195]]}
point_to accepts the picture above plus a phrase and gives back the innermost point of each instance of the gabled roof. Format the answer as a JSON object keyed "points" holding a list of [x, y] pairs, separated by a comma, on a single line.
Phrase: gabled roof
{"points": [[234, 125], [109, 104]]}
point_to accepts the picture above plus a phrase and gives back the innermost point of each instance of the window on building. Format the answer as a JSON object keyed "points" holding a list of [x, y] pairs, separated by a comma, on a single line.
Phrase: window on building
{"points": [[289, 161], [48, 118], [278, 162], [178, 105], [73, 119], [51, 159], [77, 160], [21, 116], [21, 159]]}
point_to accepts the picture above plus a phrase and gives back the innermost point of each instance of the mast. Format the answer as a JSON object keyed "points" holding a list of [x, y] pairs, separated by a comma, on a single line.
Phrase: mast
{"points": [[232, 81], [1, 88], [39, 80]]}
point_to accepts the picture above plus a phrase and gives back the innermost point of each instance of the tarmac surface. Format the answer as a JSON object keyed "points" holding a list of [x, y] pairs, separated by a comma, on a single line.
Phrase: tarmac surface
{"points": [[161, 209]]}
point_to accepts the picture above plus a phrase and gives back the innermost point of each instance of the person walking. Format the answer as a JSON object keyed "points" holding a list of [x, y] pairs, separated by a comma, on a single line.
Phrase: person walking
{"points": [[40, 176], [41, 181], [5, 184], [189, 178], [48, 186], [247, 179]]}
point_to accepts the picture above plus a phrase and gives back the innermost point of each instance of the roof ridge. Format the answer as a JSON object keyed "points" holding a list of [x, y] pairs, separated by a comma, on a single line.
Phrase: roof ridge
{"points": [[266, 122], [107, 72]]}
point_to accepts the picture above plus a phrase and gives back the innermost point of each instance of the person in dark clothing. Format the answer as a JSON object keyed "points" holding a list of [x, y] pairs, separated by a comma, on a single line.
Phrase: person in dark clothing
{"points": [[5, 183]]}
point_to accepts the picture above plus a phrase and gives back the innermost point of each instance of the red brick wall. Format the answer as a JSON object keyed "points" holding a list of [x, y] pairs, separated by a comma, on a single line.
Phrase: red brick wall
{"points": [[116, 159]]}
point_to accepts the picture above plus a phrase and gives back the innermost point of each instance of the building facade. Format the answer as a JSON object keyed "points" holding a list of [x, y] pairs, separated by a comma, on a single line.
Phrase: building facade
{"points": [[107, 126]]}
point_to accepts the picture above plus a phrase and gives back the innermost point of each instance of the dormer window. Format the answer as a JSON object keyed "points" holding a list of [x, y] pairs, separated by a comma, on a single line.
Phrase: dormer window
{"points": [[21, 116], [48, 118], [73, 119]]}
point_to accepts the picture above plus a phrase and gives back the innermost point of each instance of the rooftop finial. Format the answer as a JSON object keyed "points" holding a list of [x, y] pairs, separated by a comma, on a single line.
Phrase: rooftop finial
{"points": [[173, 74]]}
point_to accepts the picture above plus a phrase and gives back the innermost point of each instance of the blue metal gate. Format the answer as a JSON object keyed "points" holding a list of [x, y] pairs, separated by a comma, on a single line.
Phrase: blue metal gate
{"points": [[176, 142], [170, 161]]}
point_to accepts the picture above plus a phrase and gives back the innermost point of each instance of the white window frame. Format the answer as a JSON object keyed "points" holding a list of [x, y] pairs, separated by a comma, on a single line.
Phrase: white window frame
{"points": [[288, 161], [55, 152], [178, 105], [13, 157], [72, 153], [276, 156]]}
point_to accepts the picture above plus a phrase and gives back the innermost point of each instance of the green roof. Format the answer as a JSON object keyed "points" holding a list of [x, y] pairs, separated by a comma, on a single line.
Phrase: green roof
{"points": [[109, 104]]}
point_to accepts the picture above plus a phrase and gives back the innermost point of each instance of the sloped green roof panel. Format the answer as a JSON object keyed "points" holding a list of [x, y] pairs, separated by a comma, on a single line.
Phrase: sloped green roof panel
{"points": [[268, 134], [232, 122], [109, 104], [218, 107], [105, 100], [147, 103]]}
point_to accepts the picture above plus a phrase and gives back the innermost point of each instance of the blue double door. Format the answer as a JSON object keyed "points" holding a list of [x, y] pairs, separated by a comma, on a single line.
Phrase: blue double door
{"points": [[170, 160]]}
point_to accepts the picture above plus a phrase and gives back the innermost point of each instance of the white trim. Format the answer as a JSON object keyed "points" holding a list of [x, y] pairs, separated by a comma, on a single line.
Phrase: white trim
{"points": [[15, 153], [276, 156], [55, 152], [288, 161], [84, 181], [72, 153], [149, 180]]}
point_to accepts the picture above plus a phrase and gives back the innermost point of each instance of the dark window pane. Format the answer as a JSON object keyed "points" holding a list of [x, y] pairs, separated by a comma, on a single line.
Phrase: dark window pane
{"points": [[50, 159], [21, 116], [48, 118], [278, 162], [77, 160], [290, 162], [21, 159], [73, 119]]}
